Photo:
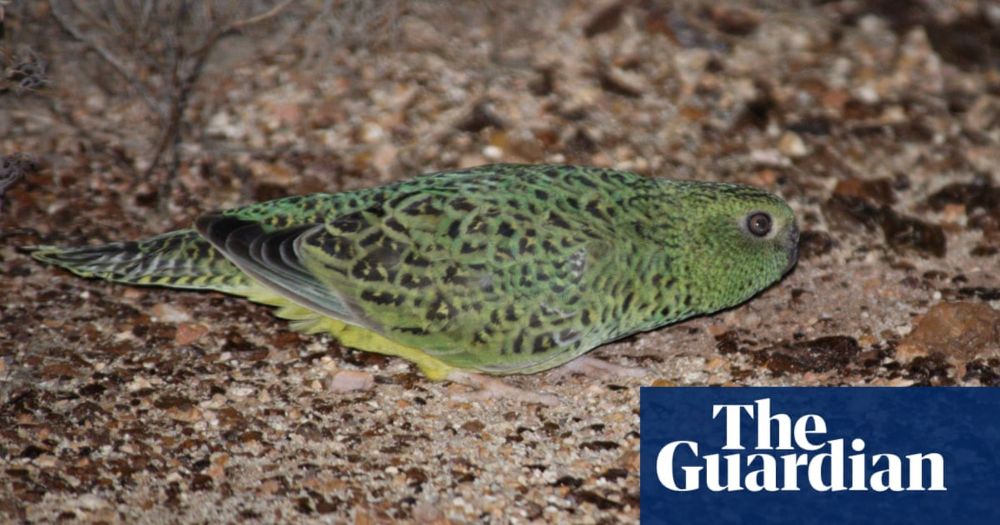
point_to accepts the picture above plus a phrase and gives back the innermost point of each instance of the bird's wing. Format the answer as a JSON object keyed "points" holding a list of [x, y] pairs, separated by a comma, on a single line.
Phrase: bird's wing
{"points": [[271, 258], [482, 277]]}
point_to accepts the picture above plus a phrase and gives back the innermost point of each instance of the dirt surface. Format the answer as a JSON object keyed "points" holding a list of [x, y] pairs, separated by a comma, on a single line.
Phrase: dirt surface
{"points": [[878, 121]]}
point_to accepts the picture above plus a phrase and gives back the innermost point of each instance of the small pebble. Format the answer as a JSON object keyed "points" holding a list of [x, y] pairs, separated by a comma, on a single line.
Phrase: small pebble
{"points": [[350, 381], [792, 145], [492, 152], [91, 502], [426, 512], [46, 461], [167, 313], [188, 333]]}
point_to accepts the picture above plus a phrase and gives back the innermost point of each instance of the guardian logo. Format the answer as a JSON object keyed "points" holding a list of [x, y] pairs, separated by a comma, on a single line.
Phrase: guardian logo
{"points": [[822, 465], [820, 455]]}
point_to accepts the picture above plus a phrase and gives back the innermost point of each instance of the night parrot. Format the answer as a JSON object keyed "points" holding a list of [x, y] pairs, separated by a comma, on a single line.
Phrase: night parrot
{"points": [[500, 269]]}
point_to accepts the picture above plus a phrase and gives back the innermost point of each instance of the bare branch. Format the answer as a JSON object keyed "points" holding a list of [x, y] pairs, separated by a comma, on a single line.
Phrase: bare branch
{"points": [[176, 59], [237, 25], [275, 11], [183, 87], [108, 57], [3, 5]]}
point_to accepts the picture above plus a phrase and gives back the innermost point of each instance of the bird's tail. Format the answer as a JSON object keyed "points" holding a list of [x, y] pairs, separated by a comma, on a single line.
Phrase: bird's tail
{"points": [[178, 259]]}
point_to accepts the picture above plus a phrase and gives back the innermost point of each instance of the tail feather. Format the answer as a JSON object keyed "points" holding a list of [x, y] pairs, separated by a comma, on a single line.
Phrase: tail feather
{"points": [[178, 259]]}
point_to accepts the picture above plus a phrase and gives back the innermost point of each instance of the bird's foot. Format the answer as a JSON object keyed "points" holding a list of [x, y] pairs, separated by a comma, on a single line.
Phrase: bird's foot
{"points": [[491, 388], [594, 367]]}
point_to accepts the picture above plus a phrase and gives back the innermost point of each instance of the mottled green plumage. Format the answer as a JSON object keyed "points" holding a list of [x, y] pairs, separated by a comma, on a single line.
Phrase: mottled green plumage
{"points": [[501, 269]]}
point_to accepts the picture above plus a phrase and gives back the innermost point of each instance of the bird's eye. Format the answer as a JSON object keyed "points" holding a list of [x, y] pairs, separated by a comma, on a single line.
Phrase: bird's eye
{"points": [[759, 223]]}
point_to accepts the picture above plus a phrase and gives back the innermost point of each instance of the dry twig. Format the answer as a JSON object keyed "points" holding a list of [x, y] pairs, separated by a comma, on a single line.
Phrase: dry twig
{"points": [[178, 74], [116, 63]]}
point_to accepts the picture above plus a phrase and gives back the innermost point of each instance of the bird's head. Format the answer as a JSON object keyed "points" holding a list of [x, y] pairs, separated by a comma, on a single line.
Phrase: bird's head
{"points": [[737, 240]]}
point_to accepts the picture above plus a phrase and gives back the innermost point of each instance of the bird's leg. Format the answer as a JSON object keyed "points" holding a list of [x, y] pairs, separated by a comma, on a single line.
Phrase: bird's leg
{"points": [[492, 388], [594, 367]]}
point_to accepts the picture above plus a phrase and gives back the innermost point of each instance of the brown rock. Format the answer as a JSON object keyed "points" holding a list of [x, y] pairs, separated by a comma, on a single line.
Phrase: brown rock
{"points": [[814, 243], [735, 20], [879, 190], [186, 415], [474, 426], [957, 331], [820, 355], [188, 333], [605, 19]]}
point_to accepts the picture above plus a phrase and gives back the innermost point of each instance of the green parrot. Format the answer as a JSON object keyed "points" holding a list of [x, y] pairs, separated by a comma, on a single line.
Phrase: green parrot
{"points": [[493, 270]]}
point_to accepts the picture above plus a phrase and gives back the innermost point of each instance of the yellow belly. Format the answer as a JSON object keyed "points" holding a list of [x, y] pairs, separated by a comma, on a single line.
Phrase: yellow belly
{"points": [[310, 322]]}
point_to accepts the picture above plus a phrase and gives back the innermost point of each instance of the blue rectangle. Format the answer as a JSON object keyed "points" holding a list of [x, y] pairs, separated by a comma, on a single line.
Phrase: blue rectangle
{"points": [[951, 434]]}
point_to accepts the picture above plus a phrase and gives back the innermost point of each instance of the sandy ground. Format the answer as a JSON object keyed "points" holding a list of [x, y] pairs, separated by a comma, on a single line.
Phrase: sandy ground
{"points": [[878, 121]]}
